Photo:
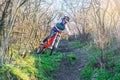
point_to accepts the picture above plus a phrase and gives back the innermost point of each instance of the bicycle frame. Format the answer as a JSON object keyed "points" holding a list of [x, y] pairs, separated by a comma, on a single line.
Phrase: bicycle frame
{"points": [[51, 44]]}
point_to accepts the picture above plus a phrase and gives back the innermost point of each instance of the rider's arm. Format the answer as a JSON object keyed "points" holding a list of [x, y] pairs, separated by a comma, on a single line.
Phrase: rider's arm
{"points": [[67, 30], [52, 25]]}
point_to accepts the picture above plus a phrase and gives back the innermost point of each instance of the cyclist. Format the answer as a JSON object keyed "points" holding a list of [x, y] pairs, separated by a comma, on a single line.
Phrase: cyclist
{"points": [[59, 27]]}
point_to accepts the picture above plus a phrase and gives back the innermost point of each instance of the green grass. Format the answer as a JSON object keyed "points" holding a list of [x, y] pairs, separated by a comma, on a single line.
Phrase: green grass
{"points": [[35, 66], [40, 67], [87, 72], [111, 70], [76, 44], [72, 57]]}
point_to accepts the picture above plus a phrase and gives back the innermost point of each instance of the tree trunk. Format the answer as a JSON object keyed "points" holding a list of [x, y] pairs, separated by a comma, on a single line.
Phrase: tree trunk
{"points": [[3, 23]]}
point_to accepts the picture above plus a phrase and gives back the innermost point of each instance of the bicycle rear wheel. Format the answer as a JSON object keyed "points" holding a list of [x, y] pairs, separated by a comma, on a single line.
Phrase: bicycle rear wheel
{"points": [[39, 50]]}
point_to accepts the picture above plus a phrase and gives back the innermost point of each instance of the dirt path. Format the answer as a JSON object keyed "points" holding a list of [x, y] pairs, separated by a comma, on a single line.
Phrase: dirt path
{"points": [[67, 70]]}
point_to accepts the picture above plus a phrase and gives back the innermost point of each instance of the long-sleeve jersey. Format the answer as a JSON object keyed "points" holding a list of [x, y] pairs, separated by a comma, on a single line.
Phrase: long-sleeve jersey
{"points": [[60, 27]]}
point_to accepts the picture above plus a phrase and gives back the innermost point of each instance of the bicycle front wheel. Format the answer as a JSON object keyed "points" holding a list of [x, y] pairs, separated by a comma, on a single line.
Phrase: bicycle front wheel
{"points": [[39, 50]]}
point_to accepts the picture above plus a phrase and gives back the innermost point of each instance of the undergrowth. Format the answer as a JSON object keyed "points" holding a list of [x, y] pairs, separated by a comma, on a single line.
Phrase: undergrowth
{"points": [[33, 67], [93, 70]]}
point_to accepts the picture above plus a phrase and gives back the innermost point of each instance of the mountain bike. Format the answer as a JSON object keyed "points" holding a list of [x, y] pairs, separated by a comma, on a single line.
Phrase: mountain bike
{"points": [[51, 44]]}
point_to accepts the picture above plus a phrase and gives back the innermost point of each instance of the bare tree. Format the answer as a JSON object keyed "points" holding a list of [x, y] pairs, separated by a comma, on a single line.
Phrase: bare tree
{"points": [[32, 24], [78, 11], [117, 2], [7, 22]]}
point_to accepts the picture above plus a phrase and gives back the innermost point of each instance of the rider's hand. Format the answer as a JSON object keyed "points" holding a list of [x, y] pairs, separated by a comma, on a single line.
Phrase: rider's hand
{"points": [[69, 34]]}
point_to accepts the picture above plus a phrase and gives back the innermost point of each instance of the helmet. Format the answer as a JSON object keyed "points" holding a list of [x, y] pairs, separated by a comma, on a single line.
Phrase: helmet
{"points": [[66, 17]]}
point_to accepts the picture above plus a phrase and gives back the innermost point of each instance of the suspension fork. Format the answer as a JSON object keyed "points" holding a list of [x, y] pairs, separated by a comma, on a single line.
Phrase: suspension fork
{"points": [[52, 51], [55, 43]]}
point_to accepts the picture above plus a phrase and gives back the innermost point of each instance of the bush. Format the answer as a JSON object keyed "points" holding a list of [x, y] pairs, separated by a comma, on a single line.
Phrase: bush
{"points": [[87, 72]]}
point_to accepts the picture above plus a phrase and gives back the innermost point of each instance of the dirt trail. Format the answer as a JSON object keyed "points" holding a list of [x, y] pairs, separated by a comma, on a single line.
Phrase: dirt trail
{"points": [[67, 70]]}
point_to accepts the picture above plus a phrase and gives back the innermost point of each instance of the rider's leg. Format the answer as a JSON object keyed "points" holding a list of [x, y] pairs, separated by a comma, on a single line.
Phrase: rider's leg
{"points": [[52, 32]]}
